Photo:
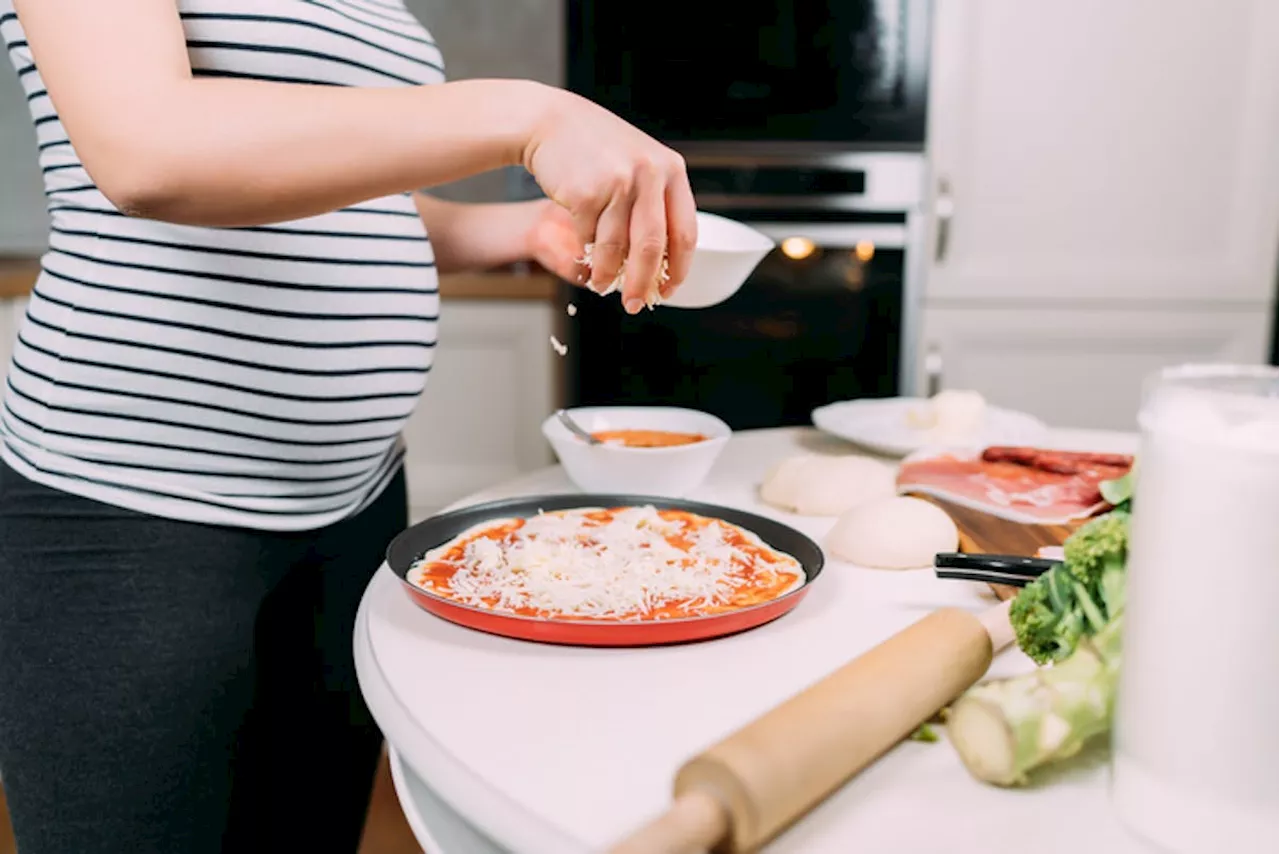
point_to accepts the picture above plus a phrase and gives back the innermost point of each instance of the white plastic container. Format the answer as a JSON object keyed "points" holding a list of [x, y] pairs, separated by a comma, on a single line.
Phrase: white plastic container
{"points": [[726, 254], [661, 472], [1195, 743]]}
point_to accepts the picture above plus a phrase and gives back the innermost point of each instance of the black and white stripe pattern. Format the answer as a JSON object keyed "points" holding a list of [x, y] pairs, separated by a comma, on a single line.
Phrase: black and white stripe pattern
{"points": [[249, 376]]}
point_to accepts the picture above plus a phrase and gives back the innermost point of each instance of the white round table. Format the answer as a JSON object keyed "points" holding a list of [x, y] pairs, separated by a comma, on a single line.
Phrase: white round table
{"points": [[508, 746]]}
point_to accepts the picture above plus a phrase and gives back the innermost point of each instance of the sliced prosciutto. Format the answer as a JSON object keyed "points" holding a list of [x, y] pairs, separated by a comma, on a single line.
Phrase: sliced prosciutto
{"points": [[1033, 485]]}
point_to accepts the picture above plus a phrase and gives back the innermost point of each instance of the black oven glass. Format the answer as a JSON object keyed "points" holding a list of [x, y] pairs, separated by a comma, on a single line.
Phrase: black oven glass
{"points": [[781, 70], [799, 334]]}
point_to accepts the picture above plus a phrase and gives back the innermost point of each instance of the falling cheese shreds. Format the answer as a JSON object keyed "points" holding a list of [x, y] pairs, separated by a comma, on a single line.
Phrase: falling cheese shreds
{"points": [[564, 565], [561, 349]]}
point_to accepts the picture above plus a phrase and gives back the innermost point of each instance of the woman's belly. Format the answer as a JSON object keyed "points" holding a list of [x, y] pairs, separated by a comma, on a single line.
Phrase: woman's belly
{"points": [[270, 363]]}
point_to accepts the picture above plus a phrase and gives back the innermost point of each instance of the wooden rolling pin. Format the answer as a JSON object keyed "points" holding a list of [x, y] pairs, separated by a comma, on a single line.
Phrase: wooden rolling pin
{"points": [[736, 796]]}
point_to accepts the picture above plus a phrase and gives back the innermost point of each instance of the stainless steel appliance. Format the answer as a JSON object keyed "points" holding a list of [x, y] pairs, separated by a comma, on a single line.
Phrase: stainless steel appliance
{"points": [[780, 71], [828, 315]]}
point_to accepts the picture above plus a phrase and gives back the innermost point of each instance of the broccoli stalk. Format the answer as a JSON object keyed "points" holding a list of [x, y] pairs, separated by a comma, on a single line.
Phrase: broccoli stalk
{"points": [[1008, 727], [1070, 617]]}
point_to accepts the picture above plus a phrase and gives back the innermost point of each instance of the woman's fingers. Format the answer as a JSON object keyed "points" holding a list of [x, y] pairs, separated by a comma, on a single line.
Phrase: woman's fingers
{"points": [[610, 243], [648, 244], [584, 199], [562, 258], [682, 227]]}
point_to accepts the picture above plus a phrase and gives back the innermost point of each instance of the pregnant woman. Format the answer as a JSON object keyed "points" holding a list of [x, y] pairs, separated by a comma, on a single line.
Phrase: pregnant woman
{"points": [[200, 427]]}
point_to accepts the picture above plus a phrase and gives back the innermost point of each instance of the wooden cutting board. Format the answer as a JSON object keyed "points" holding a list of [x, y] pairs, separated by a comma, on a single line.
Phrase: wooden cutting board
{"points": [[983, 533]]}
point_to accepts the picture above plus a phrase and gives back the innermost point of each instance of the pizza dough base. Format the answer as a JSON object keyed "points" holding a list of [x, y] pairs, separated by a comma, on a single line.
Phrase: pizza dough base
{"points": [[893, 533], [816, 485]]}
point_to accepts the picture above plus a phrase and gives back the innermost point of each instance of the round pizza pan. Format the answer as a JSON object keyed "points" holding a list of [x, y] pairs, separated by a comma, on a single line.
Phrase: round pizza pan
{"points": [[416, 541]]}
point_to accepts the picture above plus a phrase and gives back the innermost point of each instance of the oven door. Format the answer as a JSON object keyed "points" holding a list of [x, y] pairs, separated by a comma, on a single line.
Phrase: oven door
{"points": [[778, 71], [820, 320]]}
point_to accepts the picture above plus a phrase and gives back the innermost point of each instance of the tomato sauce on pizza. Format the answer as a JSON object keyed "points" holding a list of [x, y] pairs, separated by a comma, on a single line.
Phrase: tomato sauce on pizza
{"points": [[615, 564]]}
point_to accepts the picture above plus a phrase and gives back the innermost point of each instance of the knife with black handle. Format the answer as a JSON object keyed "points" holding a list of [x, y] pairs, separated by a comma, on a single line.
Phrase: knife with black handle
{"points": [[1011, 570]]}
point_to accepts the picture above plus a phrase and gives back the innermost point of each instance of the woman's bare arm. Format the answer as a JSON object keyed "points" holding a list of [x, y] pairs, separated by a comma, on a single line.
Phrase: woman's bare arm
{"points": [[477, 236], [484, 236], [163, 144]]}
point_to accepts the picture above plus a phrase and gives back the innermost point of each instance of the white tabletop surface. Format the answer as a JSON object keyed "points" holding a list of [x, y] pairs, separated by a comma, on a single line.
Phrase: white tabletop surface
{"points": [[556, 750]]}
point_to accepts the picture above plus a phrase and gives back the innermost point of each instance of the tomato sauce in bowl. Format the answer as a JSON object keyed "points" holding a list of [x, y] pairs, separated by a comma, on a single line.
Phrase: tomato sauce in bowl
{"points": [[664, 451], [647, 438]]}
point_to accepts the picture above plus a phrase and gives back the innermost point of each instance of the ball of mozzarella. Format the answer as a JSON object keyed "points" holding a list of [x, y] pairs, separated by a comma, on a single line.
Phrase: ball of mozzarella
{"points": [[952, 415]]}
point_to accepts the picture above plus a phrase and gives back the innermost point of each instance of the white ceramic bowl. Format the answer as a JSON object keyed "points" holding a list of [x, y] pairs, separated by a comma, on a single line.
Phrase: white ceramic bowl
{"points": [[726, 254], [664, 472]]}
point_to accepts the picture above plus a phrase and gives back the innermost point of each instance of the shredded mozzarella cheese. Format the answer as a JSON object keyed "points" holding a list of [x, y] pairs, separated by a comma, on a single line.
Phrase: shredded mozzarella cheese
{"points": [[652, 297], [563, 564]]}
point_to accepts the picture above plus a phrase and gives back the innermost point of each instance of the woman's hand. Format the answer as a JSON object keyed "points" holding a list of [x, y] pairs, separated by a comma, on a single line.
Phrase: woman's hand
{"points": [[622, 191], [552, 241]]}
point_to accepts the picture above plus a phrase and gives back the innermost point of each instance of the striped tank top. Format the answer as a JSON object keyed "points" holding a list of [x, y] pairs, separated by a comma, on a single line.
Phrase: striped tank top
{"points": [[257, 377]]}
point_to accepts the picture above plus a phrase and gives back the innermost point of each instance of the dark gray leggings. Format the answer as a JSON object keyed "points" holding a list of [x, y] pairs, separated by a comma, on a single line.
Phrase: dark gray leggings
{"points": [[173, 687]]}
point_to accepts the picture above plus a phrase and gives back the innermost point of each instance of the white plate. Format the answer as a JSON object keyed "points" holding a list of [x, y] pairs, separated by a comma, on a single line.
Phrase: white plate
{"points": [[881, 425]]}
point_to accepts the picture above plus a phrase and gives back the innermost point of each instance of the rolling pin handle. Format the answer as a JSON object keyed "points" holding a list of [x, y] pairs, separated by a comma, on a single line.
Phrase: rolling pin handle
{"points": [[697, 823]]}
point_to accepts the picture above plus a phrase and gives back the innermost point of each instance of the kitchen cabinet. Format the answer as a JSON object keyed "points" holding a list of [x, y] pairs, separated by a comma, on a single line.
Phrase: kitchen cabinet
{"points": [[1102, 198], [1109, 150], [24, 223], [1080, 367], [11, 311], [493, 383]]}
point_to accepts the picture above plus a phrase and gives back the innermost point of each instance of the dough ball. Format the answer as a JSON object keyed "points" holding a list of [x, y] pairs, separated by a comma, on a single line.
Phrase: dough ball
{"points": [[814, 485], [839, 484], [894, 533], [785, 481]]}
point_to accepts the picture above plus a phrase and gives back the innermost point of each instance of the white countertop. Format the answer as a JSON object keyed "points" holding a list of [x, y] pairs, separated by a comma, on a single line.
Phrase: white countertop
{"points": [[557, 750]]}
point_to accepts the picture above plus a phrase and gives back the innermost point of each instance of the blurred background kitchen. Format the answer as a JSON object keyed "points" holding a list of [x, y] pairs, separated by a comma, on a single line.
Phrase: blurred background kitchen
{"points": [[1043, 202], [1040, 201]]}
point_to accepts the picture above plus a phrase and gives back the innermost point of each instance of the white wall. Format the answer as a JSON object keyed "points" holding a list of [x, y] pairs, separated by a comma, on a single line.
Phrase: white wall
{"points": [[497, 38], [23, 221], [522, 39]]}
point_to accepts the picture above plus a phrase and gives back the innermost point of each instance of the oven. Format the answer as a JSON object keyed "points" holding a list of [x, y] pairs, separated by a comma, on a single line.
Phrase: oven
{"points": [[805, 119], [828, 315], [787, 72]]}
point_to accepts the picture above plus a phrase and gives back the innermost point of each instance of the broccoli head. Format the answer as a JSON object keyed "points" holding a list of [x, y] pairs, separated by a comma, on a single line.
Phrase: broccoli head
{"points": [[1077, 597], [1097, 546], [1046, 617], [1096, 554]]}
